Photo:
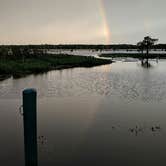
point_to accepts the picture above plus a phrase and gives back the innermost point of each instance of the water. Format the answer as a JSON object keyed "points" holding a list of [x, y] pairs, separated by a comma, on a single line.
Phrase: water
{"points": [[107, 115], [88, 52]]}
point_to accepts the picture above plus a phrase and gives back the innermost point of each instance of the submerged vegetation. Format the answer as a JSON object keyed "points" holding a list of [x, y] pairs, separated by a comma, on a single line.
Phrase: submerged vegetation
{"points": [[133, 55], [37, 64]]}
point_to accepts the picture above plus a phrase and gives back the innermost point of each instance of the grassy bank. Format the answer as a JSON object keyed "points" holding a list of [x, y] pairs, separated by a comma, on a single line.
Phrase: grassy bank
{"points": [[22, 67], [132, 55]]}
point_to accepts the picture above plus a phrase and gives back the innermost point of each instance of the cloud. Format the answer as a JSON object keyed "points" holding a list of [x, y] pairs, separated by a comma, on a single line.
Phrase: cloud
{"points": [[80, 21]]}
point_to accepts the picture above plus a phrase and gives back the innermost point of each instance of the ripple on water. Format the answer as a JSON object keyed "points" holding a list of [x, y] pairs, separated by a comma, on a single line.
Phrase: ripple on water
{"points": [[127, 81]]}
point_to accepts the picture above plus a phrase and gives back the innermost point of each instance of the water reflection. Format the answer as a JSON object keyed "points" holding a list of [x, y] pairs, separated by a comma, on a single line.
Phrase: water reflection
{"points": [[30, 146], [107, 115], [145, 64], [127, 80]]}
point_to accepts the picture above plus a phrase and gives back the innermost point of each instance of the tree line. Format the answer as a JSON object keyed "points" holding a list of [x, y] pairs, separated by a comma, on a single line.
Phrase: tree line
{"points": [[22, 51], [95, 47]]}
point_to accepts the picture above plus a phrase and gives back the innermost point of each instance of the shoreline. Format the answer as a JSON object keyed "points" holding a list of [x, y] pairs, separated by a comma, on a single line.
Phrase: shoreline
{"points": [[36, 65]]}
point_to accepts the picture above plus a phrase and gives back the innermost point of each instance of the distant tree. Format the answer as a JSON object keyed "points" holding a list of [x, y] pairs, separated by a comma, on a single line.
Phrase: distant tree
{"points": [[148, 42], [3, 52], [16, 51], [141, 47]]}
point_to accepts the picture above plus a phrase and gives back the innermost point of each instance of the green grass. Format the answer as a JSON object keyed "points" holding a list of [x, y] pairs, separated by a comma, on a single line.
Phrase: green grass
{"points": [[18, 67]]}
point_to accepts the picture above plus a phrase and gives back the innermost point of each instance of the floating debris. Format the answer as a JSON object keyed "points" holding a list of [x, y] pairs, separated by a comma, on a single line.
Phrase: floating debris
{"points": [[155, 128], [113, 127], [158, 127], [132, 130], [140, 129], [42, 140], [136, 130]]}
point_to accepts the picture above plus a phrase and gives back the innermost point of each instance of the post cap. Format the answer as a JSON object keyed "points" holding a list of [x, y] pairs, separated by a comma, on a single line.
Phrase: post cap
{"points": [[29, 91]]}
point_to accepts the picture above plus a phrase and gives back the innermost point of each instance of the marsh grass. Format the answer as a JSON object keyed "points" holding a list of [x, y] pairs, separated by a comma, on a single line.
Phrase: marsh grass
{"points": [[19, 67]]}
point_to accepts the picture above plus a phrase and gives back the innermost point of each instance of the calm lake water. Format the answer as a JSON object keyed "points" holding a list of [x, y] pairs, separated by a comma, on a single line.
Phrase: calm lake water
{"points": [[108, 115]]}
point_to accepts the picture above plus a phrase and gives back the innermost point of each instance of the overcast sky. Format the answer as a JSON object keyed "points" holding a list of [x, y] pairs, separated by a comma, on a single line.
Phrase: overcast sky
{"points": [[81, 21]]}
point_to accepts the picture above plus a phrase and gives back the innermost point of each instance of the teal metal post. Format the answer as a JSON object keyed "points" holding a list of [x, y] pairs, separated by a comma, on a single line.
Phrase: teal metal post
{"points": [[30, 126]]}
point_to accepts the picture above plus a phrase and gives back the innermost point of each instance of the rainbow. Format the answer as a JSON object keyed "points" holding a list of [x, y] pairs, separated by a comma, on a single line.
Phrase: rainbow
{"points": [[106, 28]]}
